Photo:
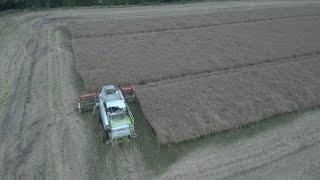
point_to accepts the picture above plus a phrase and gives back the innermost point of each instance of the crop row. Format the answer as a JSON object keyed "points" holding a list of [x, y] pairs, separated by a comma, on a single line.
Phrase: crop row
{"points": [[144, 58], [190, 108]]}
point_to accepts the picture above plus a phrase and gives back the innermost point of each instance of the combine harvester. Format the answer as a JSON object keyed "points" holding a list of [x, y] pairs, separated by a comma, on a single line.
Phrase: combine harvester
{"points": [[114, 112]]}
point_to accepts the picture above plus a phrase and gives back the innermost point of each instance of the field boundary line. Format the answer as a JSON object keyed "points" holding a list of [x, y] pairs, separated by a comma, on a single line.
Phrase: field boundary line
{"points": [[232, 69], [89, 36]]}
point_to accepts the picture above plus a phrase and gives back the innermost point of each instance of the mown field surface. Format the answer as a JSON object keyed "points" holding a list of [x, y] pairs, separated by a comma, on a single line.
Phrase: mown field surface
{"points": [[256, 64]]}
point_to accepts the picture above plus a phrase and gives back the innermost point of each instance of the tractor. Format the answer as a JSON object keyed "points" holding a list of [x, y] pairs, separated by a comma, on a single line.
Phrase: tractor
{"points": [[112, 110]]}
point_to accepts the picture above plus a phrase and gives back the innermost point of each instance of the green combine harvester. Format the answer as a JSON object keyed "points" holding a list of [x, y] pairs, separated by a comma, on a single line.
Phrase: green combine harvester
{"points": [[114, 112]]}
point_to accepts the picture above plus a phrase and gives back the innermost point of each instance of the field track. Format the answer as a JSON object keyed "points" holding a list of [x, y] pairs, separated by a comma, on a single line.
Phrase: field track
{"points": [[43, 137]]}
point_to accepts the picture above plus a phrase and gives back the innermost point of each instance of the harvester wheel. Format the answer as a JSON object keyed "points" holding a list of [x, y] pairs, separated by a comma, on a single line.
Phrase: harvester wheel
{"points": [[134, 135], [99, 118], [105, 137]]}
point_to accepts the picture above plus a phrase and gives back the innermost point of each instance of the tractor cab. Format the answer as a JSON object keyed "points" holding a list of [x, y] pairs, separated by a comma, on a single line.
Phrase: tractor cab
{"points": [[115, 109]]}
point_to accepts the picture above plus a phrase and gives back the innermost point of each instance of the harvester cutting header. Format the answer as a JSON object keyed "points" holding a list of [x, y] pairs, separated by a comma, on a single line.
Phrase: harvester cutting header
{"points": [[114, 113]]}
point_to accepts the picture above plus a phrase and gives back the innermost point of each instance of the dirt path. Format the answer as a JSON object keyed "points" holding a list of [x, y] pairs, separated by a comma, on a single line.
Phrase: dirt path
{"points": [[42, 136], [40, 130]]}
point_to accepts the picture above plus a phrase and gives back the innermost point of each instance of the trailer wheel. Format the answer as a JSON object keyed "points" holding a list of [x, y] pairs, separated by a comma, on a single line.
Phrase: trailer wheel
{"points": [[79, 107]]}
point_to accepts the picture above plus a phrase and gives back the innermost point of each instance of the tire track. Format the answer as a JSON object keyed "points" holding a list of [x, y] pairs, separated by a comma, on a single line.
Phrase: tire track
{"points": [[300, 149], [69, 131], [23, 147], [88, 36], [12, 103], [252, 153], [16, 110]]}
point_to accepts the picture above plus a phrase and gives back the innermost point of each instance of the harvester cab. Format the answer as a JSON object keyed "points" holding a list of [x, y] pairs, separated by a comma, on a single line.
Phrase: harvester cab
{"points": [[114, 113]]}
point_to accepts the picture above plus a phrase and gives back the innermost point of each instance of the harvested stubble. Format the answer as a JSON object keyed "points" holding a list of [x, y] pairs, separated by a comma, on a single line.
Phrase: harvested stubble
{"points": [[146, 57], [185, 108]]}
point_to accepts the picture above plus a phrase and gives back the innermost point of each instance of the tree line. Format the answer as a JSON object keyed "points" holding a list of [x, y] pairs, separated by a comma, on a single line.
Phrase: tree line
{"points": [[21, 4]]}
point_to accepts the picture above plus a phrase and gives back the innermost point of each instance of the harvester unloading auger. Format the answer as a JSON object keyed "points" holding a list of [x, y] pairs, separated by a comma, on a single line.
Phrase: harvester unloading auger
{"points": [[114, 112]]}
